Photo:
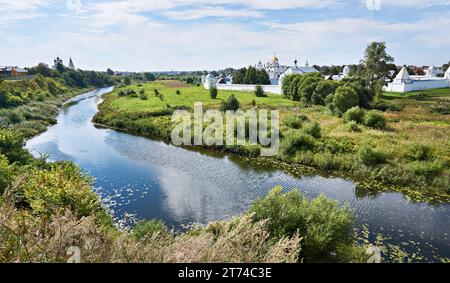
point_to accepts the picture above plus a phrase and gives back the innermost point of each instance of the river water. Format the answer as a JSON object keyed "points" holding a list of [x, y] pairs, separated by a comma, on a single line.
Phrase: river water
{"points": [[148, 179]]}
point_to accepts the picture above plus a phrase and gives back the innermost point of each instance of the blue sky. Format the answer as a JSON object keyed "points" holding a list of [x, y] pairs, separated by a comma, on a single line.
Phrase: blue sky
{"points": [[155, 35]]}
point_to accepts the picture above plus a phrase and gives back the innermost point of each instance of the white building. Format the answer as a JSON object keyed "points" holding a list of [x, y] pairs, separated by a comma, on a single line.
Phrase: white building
{"points": [[274, 69], [345, 73], [403, 82]]}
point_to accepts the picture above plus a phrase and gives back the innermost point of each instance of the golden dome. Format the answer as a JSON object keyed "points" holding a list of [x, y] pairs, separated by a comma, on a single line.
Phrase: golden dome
{"points": [[275, 59]]}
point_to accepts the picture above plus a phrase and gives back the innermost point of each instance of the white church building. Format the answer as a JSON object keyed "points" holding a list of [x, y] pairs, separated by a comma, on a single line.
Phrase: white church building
{"points": [[403, 82], [274, 69]]}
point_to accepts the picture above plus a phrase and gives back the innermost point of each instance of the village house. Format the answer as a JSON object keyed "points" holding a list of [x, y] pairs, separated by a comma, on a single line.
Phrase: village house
{"points": [[11, 71]]}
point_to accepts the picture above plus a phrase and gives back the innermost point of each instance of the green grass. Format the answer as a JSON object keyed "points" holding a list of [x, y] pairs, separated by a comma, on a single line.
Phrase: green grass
{"points": [[189, 95]]}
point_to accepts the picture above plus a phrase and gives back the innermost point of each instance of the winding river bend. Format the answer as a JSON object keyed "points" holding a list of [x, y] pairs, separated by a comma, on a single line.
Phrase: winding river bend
{"points": [[149, 179]]}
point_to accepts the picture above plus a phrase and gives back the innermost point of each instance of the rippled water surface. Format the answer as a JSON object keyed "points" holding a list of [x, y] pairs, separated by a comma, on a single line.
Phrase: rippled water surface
{"points": [[150, 179]]}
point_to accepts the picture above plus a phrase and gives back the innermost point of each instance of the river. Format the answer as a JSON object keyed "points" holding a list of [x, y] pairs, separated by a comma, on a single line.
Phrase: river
{"points": [[148, 179]]}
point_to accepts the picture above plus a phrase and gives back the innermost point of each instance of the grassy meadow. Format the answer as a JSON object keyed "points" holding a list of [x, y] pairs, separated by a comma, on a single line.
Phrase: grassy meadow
{"points": [[411, 154]]}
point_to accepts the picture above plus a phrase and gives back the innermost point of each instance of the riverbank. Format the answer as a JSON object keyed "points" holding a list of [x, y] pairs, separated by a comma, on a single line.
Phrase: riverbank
{"points": [[412, 151]]}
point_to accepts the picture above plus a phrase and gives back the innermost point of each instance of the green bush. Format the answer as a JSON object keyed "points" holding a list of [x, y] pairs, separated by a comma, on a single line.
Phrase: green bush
{"points": [[376, 120], [295, 121], [6, 173], [148, 228], [426, 169], [61, 187], [370, 156], [231, 104], [324, 225], [178, 92], [322, 90], [11, 145], [259, 92], [355, 114], [420, 152], [313, 129], [352, 126], [143, 96], [296, 141], [345, 98], [213, 92]]}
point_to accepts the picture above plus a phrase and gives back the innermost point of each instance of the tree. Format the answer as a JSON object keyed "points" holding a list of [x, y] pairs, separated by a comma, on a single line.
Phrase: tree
{"points": [[376, 62], [231, 104], [127, 81], [110, 72], [345, 98], [213, 92], [149, 77], [3, 98], [322, 90], [259, 92], [59, 66]]}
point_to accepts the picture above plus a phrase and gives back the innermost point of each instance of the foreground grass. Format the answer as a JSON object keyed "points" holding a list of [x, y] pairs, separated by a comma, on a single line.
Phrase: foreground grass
{"points": [[415, 123]]}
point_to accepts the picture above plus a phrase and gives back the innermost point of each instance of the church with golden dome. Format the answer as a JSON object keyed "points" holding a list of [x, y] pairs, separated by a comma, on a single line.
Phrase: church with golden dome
{"points": [[275, 70]]}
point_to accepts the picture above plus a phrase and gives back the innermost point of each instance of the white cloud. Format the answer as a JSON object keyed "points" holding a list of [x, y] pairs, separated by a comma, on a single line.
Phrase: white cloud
{"points": [[194, 14]]}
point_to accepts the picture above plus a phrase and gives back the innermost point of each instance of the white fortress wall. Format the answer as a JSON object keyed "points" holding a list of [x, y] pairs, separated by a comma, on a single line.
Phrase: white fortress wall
{"points": [[276, 89], [417, 85]]}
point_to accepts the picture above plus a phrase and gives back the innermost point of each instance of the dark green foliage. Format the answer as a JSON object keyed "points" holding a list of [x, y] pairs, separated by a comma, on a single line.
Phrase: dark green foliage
{"points": [[127, 81], [295, 121], [11, 145], [251, 75], [178, 92], [296, 141], [313, 129], [420, 152], [51, 86], [370, 156], [375, 119], [259, 92], [323, 89], [324, 225], [232, 104], [355, 114], [213, 92], [345, 98]]}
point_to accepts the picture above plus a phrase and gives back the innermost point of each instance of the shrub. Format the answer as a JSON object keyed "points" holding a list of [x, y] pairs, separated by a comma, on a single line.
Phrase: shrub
{"points": [[296, 141], [143, 96], [144, 229], [324, 225], [6, 173], [127, 81], [231, 104], [178, 92], [420, 152], [375, 119], [121, 93], [259, 92], [51, 86], [355, 114], [370, 156], [61, 187], [156, 92], [322, 90], [295, 121], [345, 98], [11, 145], [426, 169], [352, 126], [313, 129], [213, 92]]}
